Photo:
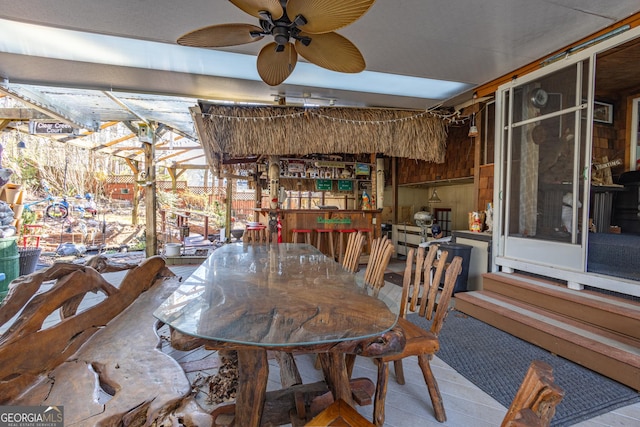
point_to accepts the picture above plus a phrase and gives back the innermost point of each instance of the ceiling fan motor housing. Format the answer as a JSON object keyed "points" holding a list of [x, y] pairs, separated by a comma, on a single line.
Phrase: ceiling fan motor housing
{"points": [[281, 35]]}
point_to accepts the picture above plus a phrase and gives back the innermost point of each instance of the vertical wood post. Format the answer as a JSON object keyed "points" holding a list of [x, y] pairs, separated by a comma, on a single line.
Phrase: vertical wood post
{"points": [[227, 222], [394, 188], [150, 199]]}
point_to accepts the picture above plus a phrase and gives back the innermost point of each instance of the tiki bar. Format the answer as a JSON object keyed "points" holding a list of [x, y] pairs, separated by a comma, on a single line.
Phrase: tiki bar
{"points": [[323, 170]]}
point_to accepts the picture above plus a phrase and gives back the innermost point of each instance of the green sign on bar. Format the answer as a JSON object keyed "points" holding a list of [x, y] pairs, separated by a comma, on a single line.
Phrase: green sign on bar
{"points": [[345, 185], [324, 184], [322, 220]]}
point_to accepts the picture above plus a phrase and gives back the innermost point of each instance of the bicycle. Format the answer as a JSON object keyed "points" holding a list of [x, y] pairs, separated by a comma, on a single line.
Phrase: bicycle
{"points": [[87, 210], [54, 210]]}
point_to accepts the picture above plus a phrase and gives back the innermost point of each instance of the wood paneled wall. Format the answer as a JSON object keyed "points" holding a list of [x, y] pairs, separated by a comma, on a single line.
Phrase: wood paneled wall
{"points": [[458, 161]]}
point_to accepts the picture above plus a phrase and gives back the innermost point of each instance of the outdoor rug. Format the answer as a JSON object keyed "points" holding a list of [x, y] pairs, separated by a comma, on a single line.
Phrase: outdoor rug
{"points": [[395, 278], [496, 362]]}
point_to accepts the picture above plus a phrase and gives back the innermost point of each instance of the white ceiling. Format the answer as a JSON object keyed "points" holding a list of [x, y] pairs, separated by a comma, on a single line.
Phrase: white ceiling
{"points": [[137, 70]]}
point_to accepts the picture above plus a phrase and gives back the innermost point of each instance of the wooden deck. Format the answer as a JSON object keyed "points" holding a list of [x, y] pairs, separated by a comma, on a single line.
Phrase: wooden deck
{"points": [[406, 405]]}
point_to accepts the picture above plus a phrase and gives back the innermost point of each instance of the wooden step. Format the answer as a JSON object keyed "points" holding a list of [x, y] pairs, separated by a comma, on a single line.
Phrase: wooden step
{"points": [[608, 353], [604, 311]]}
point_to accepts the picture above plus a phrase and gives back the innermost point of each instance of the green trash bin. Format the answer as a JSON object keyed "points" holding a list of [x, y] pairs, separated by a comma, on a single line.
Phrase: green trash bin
{"points": [[9, 263]]}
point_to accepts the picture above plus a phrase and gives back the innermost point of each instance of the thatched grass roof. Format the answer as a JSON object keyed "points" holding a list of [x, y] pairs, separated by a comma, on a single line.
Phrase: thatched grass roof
{"points": [[295, 131]]}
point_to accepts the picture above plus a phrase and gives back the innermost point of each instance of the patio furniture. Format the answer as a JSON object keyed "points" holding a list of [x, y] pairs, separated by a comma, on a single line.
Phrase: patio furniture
{"points": [[351, 258], [301, 231], [381, 251], [300, 301], [419, 291], [534, 405], [256, 234], [342, 242], [368, 238], [324, 236]]}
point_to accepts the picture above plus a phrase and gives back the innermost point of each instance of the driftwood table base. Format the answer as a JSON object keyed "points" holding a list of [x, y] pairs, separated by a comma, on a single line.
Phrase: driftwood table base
{"points": [[255, 406], [295, 405]]}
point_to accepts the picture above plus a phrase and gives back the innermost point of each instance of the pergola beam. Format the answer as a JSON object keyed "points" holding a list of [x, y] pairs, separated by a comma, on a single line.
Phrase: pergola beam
{"points": [[22, 114], [40, 102]]}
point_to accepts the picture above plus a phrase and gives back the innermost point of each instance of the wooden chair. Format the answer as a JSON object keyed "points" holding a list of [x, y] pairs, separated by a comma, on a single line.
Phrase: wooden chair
{"points": [[381, 250], [535, 402], [351, 258], [342, 247], [419, 293]]}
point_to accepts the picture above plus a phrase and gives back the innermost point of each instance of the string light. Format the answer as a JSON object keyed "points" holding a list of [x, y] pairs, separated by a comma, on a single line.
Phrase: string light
{"points": [[451, 118]]}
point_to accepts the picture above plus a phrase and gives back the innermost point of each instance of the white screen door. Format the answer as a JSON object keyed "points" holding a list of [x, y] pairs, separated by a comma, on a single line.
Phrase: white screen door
{"points": [[541, 162]]}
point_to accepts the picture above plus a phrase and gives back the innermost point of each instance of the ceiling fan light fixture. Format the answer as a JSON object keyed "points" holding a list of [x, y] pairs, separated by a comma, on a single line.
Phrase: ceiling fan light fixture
{"points": [[299, 20], [305, 40], [265, 15]]}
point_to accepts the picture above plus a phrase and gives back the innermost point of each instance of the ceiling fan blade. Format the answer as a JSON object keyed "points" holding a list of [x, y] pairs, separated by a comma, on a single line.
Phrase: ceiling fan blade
{"points": [[254, 7], [324, 16], [274, 67], [333, 52], [220, 35]]}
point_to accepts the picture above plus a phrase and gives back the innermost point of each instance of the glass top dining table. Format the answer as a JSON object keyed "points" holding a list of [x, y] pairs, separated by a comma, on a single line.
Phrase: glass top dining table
{"points": [[276, 295], [285, 297]]}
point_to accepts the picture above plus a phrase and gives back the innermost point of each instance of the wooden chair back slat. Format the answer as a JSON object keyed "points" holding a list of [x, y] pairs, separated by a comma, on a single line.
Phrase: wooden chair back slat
{"points": [[535, 402], [426, 278], [417, 277], [381, 251], [426, 310], [406, 282], [453, 270], [354, 250]]}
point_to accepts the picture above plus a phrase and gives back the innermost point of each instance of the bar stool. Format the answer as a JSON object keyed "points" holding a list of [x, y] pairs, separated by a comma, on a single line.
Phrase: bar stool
{"points": [[343, 236], [368, 235], [303, 231], [255, 234], [328, 240]]}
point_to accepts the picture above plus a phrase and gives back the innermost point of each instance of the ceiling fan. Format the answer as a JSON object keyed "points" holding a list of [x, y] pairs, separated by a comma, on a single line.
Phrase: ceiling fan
{"points": [[304, 27]]}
